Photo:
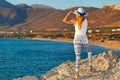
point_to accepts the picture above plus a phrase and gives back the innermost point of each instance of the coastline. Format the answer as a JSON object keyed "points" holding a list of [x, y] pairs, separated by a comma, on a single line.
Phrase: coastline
{"points": [[84, 65], [56, 39], [107, 44]]}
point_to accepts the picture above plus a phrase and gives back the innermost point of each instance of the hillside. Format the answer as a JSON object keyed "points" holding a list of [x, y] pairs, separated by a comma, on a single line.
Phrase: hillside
{"points": [[108, 15], [5, 4], [23, 6], [37, 17], [51, 18], [10, 14]]}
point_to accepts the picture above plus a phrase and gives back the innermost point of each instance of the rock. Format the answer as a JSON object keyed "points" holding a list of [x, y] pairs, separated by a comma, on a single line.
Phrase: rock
{"points": [[107, 67], [27, 78], [117, 76]]}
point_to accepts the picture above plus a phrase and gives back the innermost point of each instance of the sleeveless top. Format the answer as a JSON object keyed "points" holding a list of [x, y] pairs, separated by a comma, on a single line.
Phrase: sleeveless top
{"points": [[82, 31]]}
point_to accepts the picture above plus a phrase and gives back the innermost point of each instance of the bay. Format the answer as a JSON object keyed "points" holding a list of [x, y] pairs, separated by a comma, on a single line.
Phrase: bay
{"points": [[21, 57]]}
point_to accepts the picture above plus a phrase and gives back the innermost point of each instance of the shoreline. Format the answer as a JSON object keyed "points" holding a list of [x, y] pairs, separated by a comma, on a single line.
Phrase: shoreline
{"points": [[57, 39], [106, 44]]}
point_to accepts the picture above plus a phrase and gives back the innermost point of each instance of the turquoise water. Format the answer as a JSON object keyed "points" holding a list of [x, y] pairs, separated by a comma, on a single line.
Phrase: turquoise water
{"points": [[20, 57]]}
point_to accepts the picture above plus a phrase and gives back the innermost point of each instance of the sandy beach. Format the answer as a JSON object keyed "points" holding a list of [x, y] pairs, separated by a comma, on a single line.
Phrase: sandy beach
{"points": [[108, 44]]}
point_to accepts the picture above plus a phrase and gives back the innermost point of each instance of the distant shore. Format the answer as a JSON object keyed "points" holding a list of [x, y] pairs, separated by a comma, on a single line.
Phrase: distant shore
{"points": [[107, 44], [56, 39]]}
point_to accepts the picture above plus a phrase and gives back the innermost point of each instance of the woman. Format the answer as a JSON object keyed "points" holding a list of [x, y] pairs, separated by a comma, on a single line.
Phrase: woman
{"points": [[80, 37]]}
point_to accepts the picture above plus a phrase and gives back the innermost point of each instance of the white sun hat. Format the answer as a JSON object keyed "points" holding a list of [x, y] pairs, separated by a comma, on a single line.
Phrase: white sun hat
{"points": [[80, 12]]}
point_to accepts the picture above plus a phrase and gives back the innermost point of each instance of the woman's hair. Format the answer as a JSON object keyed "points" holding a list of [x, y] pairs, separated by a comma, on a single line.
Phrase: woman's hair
{"points": [[79, 20]]}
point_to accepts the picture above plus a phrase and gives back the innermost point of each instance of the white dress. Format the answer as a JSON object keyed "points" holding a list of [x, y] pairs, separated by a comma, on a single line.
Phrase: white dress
{"points": [[80, 36]]}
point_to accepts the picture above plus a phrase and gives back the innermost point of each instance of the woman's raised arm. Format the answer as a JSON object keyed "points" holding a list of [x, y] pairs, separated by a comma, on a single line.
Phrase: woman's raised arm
{"points": [[66, 18]]}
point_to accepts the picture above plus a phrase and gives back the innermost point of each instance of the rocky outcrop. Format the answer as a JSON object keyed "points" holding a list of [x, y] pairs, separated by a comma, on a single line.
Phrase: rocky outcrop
{"points": [[113, 7], [107, 67]]}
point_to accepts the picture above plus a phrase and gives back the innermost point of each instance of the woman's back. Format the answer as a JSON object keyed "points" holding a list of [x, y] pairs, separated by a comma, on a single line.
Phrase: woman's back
{"points": [[83, 29]]}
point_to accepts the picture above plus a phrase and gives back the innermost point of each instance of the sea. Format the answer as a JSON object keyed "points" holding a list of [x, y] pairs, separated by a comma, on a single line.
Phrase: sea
{"points": [[23, 57]]}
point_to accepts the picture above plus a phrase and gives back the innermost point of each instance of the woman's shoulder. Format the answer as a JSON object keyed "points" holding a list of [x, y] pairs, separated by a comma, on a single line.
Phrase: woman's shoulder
{"points": [[85, 20]]}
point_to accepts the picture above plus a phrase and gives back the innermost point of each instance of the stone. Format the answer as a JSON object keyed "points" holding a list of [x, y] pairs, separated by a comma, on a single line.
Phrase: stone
{"points": [[27, 78], [106, 65]]}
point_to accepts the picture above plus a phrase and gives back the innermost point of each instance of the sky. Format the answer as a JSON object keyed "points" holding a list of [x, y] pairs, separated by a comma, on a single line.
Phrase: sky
{"points": [[64, 4]]}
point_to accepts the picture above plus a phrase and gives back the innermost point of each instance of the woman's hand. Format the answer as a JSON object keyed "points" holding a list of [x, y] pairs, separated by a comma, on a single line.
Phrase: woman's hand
{"points": [[70, 12]]}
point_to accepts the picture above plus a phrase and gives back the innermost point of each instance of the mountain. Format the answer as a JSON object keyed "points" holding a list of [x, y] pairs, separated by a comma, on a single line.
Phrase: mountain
{"points": [[10, 14], [5, 4], [23, 6], [43, 19], [39, 16], [107, 15], [40, 6]]}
